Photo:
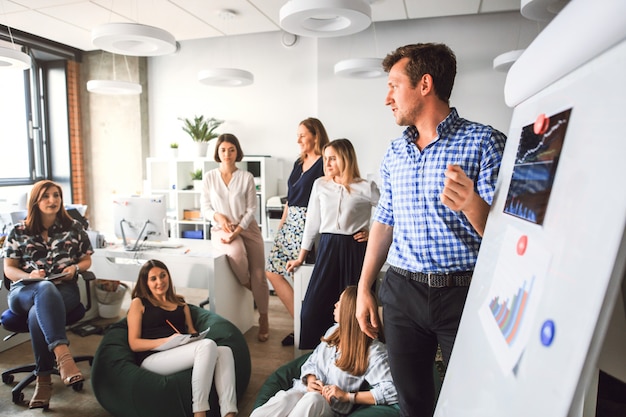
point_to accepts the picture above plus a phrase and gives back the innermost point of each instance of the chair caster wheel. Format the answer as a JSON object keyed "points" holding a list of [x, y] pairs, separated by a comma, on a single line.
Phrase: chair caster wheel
{"points": [[18, 397]]}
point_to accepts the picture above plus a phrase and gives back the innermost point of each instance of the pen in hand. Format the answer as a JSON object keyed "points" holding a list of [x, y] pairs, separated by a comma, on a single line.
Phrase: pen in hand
{"points": [[172, 326]]}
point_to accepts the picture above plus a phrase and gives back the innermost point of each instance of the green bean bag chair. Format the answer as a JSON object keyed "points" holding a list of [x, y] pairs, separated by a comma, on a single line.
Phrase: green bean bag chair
{"points": [[282, 379], [126, 390]]}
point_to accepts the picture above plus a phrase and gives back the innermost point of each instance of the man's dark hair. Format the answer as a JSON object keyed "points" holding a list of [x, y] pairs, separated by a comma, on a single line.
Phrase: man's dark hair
{"points": [[435, 59]]}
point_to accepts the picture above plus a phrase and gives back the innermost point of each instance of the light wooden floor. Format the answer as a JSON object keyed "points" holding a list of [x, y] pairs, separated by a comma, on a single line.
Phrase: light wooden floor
{"points": [[266, 357]]}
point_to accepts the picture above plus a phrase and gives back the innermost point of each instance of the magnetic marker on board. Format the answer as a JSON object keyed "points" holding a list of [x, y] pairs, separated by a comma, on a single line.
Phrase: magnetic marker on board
{"points": [[541, 124], [547, 332]]}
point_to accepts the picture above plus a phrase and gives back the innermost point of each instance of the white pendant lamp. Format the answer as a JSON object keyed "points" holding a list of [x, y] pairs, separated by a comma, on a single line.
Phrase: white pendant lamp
{"points": [[503, 62], [111, 87], [360, 68], [133, 39], [14, 59], [226, 77], [541, 10], [114, 86], [325, 18]]}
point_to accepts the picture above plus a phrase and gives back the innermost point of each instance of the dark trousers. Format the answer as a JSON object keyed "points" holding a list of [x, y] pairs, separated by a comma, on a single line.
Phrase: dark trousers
{"points": [[338, 265], [416, 318]]}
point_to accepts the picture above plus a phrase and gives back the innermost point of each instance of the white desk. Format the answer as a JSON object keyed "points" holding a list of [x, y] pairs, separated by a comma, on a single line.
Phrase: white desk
{"points": [[301, 278], [197, 264]]}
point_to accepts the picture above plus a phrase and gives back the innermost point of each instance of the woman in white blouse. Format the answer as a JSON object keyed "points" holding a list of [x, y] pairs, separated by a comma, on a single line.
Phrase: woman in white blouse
{"points": [[229, 201], [332, 378], [339, 214]]}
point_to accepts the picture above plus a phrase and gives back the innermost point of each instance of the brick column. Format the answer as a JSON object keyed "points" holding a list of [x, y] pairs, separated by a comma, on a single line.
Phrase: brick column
{"points": [[79, 188]]}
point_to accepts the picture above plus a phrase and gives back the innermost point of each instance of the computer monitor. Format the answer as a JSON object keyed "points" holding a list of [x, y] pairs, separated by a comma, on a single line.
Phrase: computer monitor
{"points": [[140, 218]]}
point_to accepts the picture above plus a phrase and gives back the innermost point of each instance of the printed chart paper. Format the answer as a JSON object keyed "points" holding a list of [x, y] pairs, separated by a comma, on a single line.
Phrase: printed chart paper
{"points": [[510, 308]]}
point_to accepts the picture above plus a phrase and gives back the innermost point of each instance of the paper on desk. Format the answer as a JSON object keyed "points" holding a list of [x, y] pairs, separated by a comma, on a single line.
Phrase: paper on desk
{"points": [[182, 339]]}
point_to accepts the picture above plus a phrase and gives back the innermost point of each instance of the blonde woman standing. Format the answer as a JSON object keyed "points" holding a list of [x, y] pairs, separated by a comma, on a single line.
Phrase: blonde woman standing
{"points": [[312, 138], [338, 215]]}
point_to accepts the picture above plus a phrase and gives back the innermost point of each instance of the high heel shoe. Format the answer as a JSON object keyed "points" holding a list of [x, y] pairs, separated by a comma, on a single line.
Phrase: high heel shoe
{"points": [[69, 372], [43, 392], [264, 328]]}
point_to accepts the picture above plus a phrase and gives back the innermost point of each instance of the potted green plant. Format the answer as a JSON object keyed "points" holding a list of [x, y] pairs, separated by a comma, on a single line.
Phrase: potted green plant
{"points": [[174, 148], [196, 177], [201, 130]]}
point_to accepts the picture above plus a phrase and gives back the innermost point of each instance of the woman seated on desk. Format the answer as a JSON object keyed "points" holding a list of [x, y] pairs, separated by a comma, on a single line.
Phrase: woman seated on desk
{"points": [[155, 316], [229, 202], [48, 242]]}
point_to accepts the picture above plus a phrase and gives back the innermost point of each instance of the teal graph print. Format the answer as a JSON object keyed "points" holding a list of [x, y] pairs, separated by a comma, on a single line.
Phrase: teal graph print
{"points": [[509, 313]]}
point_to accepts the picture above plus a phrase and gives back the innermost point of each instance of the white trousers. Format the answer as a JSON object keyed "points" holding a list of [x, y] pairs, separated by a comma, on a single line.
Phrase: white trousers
{"points": [[292, 403], [206, 360]]}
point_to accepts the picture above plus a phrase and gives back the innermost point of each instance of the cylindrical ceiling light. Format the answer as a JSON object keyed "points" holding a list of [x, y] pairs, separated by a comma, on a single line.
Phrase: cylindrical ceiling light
{"points": [[325, 18], [110, 87], [504, 61], [14, 59], [360, 68], [225, 77], [133, 39]]}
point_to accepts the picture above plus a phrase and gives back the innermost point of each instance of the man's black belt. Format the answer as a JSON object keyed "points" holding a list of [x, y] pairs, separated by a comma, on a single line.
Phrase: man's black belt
{"points": [[453, 279]]}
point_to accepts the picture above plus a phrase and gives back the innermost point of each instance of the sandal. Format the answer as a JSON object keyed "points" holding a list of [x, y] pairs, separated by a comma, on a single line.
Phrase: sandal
{"points": [[264, 328], [43, 392], [69, 372]]}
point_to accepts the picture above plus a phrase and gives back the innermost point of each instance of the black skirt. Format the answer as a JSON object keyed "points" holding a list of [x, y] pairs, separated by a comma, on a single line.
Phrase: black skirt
{"points": [[338, 264]]}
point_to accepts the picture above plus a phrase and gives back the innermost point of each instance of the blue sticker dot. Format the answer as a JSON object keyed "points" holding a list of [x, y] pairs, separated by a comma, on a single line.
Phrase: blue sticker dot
{"points": [[547, 332]]}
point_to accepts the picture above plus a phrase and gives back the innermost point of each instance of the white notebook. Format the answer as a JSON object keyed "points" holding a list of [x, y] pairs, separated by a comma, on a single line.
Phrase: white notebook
{"points": [[182, 339]]}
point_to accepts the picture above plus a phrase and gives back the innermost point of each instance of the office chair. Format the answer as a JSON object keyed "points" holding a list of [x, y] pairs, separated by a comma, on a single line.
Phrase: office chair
{"points": [[16, 323]]}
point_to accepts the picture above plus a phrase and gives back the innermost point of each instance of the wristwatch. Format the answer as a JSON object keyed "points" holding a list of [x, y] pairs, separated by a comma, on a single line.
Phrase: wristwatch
{"points": [[77, 269]]}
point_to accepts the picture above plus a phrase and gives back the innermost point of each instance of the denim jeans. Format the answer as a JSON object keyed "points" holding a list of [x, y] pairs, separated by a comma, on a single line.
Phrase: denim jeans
{"points": [[46, 305]]}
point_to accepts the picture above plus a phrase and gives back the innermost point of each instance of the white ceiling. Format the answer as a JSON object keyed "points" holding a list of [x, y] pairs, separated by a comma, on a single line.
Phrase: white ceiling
{"points": [[70, 21]]}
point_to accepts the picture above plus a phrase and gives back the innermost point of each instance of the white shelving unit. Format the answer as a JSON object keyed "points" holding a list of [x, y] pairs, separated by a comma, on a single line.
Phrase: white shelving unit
{"points": [[172, 178]]}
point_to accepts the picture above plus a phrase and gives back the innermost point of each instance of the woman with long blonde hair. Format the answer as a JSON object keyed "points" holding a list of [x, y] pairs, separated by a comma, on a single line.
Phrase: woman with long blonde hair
{"points": [[331, 378], [338, 217]]}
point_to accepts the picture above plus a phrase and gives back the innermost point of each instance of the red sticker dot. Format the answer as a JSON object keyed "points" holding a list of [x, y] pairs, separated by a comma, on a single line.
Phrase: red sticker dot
{"points": [[522, 243], [541, 124]]}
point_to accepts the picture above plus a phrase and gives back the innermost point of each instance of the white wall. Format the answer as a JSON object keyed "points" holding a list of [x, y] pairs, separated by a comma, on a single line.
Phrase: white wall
{"points": [[294, 83]]}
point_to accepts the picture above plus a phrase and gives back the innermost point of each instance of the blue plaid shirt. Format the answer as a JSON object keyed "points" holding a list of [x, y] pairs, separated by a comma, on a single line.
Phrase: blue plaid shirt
{"points": [[427, 235]]}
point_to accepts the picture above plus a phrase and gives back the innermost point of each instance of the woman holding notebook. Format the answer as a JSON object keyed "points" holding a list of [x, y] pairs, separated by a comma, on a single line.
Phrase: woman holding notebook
{"points": [[156, 316], [48, 243]]}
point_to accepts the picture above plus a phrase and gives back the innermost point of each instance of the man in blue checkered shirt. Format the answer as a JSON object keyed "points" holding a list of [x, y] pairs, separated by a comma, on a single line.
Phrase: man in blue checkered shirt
{"points": [[437, 186]]}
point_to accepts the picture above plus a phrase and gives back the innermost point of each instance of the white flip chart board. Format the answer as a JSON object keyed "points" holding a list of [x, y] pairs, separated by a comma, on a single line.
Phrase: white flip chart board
{"points": [[551, 264]]}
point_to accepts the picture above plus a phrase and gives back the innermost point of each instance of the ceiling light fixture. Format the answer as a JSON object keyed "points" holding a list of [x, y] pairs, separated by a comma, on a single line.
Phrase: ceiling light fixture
{"points": [[504, 61], [360, 68], [133, 39], [114, 87], [541, 10], [111, 87], [226, 77], [14, 59], [325, 18]]}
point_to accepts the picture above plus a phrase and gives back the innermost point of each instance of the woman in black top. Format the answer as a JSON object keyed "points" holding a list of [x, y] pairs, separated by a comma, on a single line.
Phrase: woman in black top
{"points": [[157, 315]]}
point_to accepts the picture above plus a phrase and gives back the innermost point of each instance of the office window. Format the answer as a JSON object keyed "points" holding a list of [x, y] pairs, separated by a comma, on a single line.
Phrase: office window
{"points": [[16, 164]]}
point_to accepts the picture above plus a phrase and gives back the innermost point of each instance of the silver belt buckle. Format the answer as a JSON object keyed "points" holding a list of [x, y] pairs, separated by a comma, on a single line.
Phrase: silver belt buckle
{"points": [[430, 283]]}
